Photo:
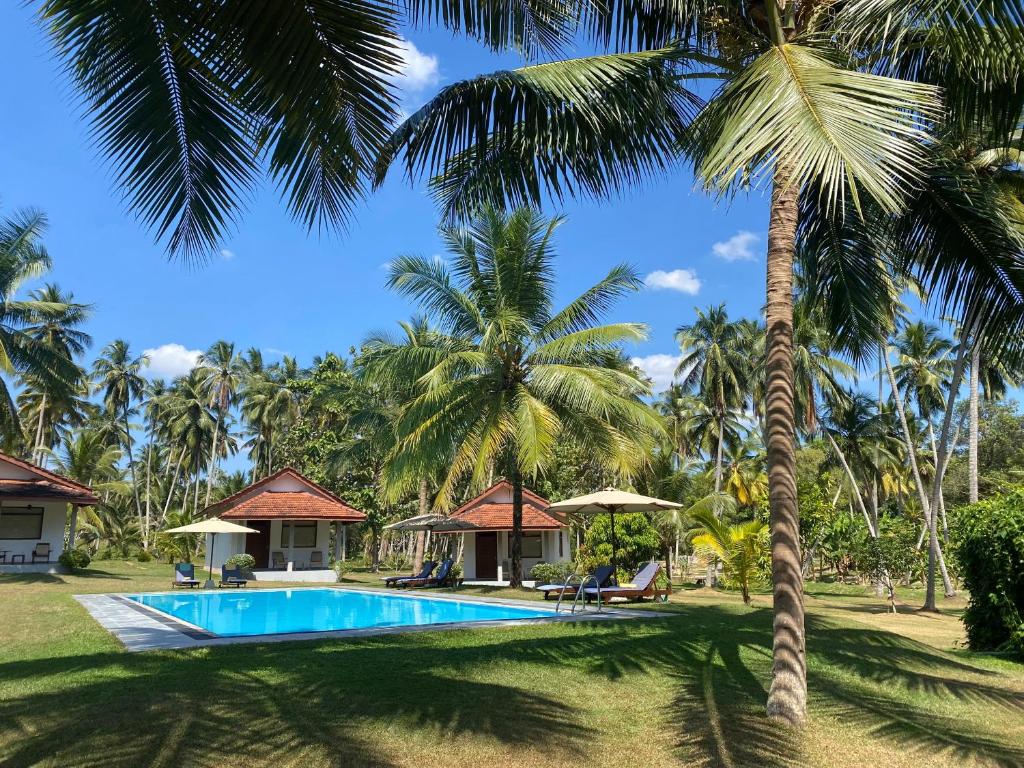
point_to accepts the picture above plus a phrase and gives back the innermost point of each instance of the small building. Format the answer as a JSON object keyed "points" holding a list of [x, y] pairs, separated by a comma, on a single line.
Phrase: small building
{"points": [[292, 517], [487, 555], [34, 515]]}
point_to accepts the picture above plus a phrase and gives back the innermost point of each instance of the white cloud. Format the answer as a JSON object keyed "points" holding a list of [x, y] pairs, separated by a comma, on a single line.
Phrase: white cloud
{"points": [[682, 280], [739, 247], [276, 351], [168, 361], [418, 70], [226, 254], [659, 368]]}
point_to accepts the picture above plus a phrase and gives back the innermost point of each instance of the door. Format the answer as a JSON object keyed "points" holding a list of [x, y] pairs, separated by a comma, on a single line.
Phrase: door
{"points": [[487, 555], [258, 544]]}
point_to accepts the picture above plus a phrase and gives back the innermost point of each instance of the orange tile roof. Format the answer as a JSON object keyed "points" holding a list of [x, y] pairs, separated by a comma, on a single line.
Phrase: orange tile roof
{"points": [[46, 486], [494, 516], [292, 505], [528, 497]]}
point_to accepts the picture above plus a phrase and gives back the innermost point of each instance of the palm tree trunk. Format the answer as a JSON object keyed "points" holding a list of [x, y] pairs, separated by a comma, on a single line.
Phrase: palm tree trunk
{"points": [[131, 472], [174, 482], [421, 536], [516, 577], [972, 440], [872, 529], [37, 454], [149, 475], [213, 460], [718, 454], [787, 697]]}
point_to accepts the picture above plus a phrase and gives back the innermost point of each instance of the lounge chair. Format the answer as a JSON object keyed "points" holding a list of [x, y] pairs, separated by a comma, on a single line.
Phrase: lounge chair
{"points": [[277, 561], [41, 552], [316, 559], [643, 585], [231, 577], [185, 575], [602, 575], [440, 579], [428, 568]]}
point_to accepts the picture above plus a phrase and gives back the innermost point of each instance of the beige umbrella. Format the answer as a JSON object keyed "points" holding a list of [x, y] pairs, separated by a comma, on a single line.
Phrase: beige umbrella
{"points": [[609, 501], [213, 526]]}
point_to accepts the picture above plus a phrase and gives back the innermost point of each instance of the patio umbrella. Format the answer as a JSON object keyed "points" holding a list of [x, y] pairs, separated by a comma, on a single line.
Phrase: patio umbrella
{"points": [[609, 501], [213, 526]]}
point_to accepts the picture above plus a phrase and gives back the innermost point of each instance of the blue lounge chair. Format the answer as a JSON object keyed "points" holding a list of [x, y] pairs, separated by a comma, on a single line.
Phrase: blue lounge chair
{"points": [[232, 577], [185, 575], [601, 577], [440, 579], [428, 568]]}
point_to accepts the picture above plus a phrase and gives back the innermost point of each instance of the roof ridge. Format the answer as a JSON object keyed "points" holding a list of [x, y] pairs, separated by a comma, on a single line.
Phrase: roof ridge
{"points": [[501, 483], [228, 500], [45, 473]]}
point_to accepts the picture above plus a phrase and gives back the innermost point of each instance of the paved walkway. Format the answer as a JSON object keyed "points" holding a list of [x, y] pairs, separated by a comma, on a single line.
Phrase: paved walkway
{"points": [[137, 627]]}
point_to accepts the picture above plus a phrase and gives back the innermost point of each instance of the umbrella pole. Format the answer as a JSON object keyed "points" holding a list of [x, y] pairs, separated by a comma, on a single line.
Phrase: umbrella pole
{"points": [[615, 563], [213, 548]]}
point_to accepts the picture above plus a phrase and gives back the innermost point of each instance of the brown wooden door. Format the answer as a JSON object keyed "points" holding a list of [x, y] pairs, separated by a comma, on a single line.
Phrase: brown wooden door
{"points": [[487, 555], [258, 544]]}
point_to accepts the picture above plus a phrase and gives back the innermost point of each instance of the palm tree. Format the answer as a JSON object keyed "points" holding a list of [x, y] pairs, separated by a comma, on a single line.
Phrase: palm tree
{"points": [[525, 376], [741, 548], [817, 371], [714, 361], [85, 457], [813, 99], [57, 329], [118, 376], [269, 404], [222, 373]]}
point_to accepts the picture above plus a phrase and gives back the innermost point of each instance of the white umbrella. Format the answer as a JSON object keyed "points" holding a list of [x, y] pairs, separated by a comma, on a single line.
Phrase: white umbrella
{"points": [[609, 501], [212, 526]]}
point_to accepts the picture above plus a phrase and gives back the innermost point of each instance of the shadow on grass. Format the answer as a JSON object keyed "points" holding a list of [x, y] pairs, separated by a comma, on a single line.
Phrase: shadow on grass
{"points": [[315, 702], [58, 578]]}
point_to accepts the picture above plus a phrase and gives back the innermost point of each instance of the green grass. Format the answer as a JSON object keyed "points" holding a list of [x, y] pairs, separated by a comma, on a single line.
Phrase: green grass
{"points": [[687, 689]]}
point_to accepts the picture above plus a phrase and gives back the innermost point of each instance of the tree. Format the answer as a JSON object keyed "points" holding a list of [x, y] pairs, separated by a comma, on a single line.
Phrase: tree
{"points": [[714, 361], [221, 371], [742, 547], [523, 376], [118, 376]]}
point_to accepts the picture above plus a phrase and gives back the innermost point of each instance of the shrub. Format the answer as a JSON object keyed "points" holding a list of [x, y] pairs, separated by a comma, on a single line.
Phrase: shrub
{"points": [[143, 556], [988, 543], [551, 573], [241, 560], [892, 555], [75, 559], [339, 569], [636, 537]]}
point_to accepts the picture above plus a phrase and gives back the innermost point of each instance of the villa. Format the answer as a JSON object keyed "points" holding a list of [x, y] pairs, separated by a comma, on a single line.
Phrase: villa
{"points": [[292, 517], [486, 554], [34, 519]]}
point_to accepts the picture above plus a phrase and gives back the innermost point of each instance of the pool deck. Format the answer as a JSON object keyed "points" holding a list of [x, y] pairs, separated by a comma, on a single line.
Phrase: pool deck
{"points": [[141, 628]]}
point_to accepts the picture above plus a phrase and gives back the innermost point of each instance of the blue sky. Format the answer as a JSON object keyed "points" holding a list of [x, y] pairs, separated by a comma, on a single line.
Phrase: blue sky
{"points": [[284, 290]]}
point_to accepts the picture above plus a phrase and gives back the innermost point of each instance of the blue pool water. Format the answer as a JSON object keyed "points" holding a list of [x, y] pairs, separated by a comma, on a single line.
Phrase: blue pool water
{"points": [[271, 611]]}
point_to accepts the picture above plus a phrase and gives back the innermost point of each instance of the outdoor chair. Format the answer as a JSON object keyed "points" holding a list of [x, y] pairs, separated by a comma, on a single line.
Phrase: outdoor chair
{"points": [[643, 585], [185, 575], [440, 579], [277, 561], [316, 559], [41, 552], [601, 577], [428, 568], [231, 577]]}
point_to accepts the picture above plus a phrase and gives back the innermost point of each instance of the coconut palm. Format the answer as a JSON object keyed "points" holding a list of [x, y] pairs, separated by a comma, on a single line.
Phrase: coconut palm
{"points": [[815, 96], [817, 371], [221, 371], [118, 376], [270, 405], [715, 362], [192, 426], [741, 548], [527, 376]]}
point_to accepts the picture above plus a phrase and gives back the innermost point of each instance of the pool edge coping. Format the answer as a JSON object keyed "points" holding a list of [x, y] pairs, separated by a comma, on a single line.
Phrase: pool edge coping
{"points": [[153, 632]]}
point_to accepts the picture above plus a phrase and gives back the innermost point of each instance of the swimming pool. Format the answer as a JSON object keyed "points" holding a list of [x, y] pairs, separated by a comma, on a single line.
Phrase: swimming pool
{"points": [[285, 611]]}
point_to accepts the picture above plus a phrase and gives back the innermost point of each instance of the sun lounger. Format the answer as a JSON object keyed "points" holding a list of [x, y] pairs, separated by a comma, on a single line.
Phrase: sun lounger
{"points": [[232, 577], [185, 575], [602, 575], [643, 585], [428, 568], [440, 579]]}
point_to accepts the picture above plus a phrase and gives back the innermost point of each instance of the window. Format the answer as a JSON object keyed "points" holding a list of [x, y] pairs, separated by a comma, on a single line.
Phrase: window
{"points": [[21, 523], [305, 534], [531, 545]]}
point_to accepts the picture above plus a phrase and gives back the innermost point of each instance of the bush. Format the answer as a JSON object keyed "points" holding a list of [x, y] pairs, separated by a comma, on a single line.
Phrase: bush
{"points": [[636, 537], [551, 573], [143, 556], [891, 556], [243, 561], [988, 543], [339, 568], [75, 559]]}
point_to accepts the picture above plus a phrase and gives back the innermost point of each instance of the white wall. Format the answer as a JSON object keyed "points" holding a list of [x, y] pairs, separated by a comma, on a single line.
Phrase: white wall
{"points": [[54, 526], [549, 553]]}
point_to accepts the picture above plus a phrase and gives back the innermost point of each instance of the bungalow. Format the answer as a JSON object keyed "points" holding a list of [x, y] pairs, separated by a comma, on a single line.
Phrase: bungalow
{"points": [[292, 516], [487, 553], [34, 520]]}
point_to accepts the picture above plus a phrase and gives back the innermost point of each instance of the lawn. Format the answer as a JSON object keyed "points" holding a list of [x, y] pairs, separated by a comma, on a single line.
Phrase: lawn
{"points": [[687, 689]]}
